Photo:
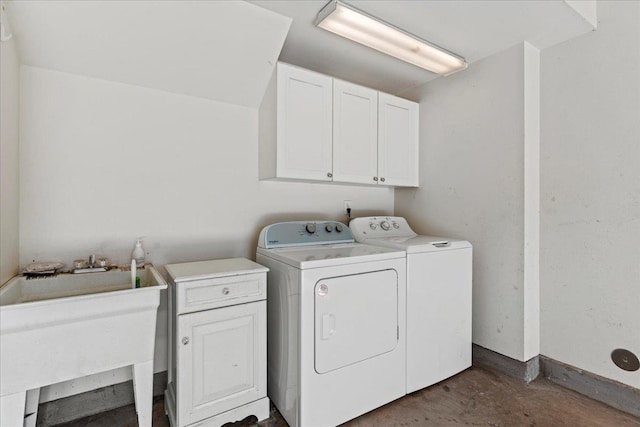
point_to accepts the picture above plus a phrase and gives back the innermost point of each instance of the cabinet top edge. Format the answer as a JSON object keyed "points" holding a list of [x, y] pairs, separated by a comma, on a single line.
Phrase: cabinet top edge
{"points": [[199, 270]]}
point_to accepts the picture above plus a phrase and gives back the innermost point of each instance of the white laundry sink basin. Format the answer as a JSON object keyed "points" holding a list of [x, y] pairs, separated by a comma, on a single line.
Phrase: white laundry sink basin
{"points": [[72, 325]]}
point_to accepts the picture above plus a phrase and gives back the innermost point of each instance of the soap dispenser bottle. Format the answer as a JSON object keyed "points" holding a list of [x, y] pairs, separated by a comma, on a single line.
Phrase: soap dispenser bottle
{"points": [[138, 253]]}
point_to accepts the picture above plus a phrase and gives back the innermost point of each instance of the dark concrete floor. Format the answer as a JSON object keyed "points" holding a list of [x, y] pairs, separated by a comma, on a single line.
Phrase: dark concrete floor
{"points": [[476, 397]]}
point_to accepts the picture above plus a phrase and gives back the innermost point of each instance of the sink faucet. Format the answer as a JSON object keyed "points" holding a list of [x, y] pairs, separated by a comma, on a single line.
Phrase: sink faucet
{"points": [[93, 266]]}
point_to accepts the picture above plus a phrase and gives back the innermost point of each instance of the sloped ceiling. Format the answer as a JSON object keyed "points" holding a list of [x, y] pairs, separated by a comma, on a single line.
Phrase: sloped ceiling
{"points": [[473, 29], [220, 50]]}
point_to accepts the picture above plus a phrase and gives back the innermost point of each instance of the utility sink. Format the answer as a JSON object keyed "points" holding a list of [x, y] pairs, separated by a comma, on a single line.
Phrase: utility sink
{"points": [[21, 289], [60, 328]]}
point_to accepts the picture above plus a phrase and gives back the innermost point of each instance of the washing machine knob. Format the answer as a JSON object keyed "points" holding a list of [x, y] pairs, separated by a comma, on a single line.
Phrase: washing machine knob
{"points": [[385, 225], [339, 228], [311, 228], [396, 225], [373, 225], [329, 228]]}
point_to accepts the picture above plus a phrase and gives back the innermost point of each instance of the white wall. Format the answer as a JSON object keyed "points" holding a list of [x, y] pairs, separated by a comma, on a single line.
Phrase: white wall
{"points": [[9, 184], [480, 164], [590, 194], [104, 162], [473, 186]]}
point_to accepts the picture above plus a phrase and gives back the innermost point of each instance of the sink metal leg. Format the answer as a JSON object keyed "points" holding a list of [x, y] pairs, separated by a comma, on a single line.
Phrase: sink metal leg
{"points": [[12, 409], [31, 407], [143, 392]]}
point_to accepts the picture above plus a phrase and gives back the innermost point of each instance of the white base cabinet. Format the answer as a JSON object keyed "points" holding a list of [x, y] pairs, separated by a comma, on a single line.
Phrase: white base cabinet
{"points": [[217, 342]]}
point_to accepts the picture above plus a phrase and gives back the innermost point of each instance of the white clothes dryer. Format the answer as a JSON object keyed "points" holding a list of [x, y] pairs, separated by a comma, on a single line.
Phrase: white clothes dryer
{"points": [[438, 297], [335, 322]]}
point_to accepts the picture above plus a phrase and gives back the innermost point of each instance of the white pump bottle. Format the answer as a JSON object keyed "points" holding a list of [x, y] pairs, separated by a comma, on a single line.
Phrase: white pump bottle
{"points": [[138, 253]]}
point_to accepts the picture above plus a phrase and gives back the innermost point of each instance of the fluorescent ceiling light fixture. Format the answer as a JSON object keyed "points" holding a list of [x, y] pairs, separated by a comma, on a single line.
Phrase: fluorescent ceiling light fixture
{"points": [[360, 27]]}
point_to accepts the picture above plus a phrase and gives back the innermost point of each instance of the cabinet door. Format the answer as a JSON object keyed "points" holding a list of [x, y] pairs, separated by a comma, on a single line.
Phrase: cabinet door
{"points": [[355, 133], [303, 124], [221, 359], [397, 141]]}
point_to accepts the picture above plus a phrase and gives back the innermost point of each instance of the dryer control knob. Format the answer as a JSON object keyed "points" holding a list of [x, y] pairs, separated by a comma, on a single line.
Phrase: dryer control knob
{"points": [[311, 228], [385, 226], [339, 228], [329, 228]]}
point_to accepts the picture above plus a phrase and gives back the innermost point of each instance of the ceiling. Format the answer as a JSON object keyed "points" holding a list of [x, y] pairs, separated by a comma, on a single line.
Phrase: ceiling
{"points": [[219, 50], [226, 50], [473, 29]]}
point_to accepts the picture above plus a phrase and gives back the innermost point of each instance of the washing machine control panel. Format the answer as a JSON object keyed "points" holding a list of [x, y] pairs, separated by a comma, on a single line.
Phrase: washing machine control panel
{"points": [[380, 226], [304, 233]]}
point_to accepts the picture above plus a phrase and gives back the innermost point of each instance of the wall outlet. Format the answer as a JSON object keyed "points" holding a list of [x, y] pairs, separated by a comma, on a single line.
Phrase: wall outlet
{"points": [[347, 205]]}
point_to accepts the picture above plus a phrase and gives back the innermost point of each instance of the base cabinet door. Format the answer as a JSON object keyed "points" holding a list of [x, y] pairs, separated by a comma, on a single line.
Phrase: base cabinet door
{"points": [[221, 358]]}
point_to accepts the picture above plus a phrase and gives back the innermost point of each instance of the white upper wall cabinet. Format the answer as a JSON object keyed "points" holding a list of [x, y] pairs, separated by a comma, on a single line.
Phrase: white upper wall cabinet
{"points": [[397, 141], [303, 124], [355, 134], [316, 128]]}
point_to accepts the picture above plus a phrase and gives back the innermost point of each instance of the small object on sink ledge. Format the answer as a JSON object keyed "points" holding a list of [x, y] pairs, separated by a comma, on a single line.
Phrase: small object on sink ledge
{"points": [[36, 267], [42, 269], [133, 274]]}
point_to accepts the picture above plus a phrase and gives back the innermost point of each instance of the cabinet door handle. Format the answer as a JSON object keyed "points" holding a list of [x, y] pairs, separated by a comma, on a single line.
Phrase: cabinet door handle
{"points": [[375, 178], [185, 340], [382, 179], [329, 175], [225, 291]]}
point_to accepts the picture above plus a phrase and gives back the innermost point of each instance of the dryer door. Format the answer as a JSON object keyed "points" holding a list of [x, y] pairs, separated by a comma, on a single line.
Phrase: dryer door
{"points": [[356, 318]]}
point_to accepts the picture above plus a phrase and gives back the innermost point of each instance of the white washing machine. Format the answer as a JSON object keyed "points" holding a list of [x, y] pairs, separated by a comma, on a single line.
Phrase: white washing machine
{"points": [[335, 322], [438, 297]]}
